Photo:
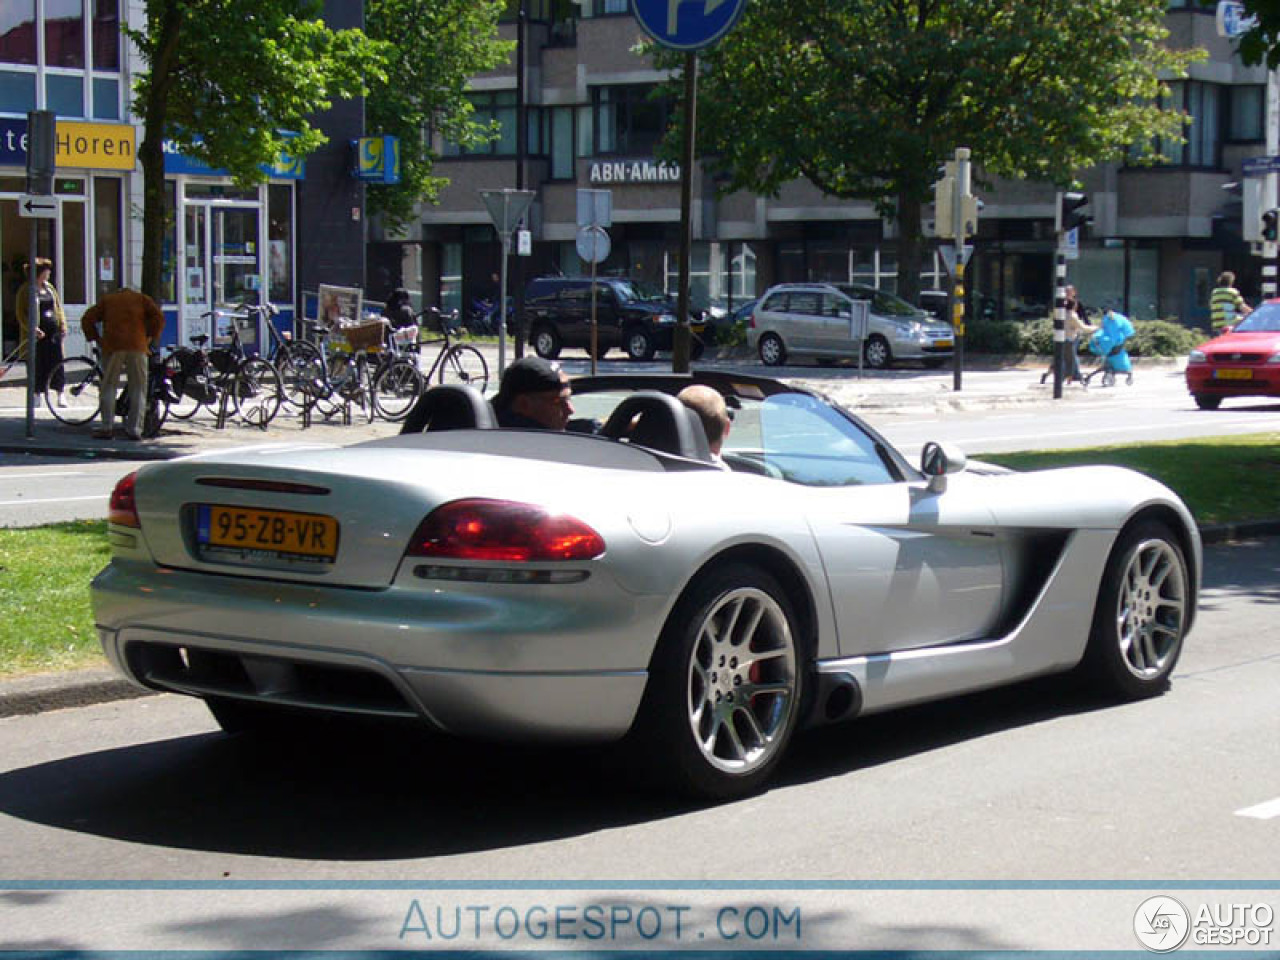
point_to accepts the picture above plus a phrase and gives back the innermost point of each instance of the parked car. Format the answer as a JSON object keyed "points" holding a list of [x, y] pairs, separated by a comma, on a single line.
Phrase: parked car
{"points": [[815, 320], [629, 314], [1242, 362], [552, 586]]}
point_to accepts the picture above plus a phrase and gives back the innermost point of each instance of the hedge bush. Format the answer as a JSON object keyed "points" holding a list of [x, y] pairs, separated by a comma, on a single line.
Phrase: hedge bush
{"points": [[1151, 338]]}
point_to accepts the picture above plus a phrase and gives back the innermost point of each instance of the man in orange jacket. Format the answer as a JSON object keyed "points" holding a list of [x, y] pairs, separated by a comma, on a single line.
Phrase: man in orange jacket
{"points": [[126, 323]]}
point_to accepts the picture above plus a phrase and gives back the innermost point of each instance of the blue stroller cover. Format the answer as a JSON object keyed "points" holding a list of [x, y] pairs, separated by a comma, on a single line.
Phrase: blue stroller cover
{"points": [[1109, 341]]}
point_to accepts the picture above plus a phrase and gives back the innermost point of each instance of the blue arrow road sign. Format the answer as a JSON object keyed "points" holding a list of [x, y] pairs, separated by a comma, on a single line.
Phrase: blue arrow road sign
{"points": [[687, 24]]}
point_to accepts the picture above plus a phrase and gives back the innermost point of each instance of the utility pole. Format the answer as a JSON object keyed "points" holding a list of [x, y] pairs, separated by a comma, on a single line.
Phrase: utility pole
{"points": [[1067, 218], [956, 217], [522, 148]]}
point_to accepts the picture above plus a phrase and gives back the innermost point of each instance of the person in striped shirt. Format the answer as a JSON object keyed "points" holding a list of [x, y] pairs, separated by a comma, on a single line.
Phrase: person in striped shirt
{"points": [[1226, 306]]}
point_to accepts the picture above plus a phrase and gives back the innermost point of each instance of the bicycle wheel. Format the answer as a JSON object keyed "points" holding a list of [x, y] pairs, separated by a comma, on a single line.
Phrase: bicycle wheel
{"points": [[156, 413], [256, 392], [397, 388], [83, 384], [183, 370], [464, 364], [302, 377]]}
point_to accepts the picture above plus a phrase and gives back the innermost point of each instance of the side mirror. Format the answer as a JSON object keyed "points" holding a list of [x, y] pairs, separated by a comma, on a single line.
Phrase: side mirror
{"points": [[940, 460]]}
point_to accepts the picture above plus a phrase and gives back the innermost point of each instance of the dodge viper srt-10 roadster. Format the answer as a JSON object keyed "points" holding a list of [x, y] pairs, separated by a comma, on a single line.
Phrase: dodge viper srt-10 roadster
{"points": [[623, 584]]}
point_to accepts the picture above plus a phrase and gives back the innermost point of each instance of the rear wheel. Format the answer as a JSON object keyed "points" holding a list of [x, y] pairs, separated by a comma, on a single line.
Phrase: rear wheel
{"points": [[877, 354], [397, 389], [1141, 616], [546, 342], [183, 367], [725, 686], [82, 383], [773, 353], [1206, 402], [464, 364], [256, 391]]}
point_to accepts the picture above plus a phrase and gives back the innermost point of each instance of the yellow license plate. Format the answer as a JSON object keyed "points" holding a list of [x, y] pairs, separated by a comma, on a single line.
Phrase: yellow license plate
{"points": [[281, 532], [942, 343], [1232, 373]]}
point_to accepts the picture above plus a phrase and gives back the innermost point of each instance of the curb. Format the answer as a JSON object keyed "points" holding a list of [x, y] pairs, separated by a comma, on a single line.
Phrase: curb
{"points": [[24, 696]]}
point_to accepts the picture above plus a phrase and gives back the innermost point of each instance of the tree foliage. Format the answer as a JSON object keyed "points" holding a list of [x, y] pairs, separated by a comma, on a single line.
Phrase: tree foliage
{"points": [[1261, 44], [237, 83], [866, 98], [437, 46]]}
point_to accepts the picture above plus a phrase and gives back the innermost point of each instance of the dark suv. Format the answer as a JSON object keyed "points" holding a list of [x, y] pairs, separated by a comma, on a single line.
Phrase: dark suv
{"points": [[638, 318]]}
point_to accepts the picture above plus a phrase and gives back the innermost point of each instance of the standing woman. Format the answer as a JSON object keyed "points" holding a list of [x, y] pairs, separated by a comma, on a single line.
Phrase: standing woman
{"points": [[51, 327]]}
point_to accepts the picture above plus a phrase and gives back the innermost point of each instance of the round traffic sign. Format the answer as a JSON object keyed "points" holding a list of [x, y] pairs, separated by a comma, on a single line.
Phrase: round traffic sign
{"points": [[687, 24], [593, 244]]}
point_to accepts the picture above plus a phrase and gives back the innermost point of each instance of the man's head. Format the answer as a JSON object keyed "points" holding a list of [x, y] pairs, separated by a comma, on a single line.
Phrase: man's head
{"points": [[536, 389], [1226, 279], [710, 407]]}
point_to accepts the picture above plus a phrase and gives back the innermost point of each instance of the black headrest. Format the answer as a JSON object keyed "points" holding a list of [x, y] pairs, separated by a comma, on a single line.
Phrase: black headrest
{"points": [[450, 406], [649, 418]]}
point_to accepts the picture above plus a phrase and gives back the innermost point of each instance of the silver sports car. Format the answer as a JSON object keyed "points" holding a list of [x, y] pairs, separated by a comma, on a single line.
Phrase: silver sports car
{"points": [[622, 585]]}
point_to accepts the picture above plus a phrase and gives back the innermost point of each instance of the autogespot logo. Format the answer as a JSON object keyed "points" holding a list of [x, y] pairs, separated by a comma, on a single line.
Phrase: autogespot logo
{"points": [[1161, 924]]}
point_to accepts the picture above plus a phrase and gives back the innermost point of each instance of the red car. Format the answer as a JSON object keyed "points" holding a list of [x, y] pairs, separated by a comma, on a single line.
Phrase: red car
{"points": [[1243, 362]]}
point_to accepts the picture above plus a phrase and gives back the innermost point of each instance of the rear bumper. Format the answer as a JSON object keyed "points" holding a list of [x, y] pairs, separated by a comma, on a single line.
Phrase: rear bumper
{"points": [[466, 665]]}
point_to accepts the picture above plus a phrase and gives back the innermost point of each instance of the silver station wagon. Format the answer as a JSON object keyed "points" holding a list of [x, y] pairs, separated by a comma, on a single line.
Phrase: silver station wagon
{"points": [[817, 321]]}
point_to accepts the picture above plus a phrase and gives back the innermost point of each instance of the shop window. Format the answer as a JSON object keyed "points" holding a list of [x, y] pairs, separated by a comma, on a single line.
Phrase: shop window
{"points": [[106, 98], [64, 33], [106, 34], [280, 241], [106, 235], [64, 95], [17, 92], [629, 119], [18, 32], [73, 252]]}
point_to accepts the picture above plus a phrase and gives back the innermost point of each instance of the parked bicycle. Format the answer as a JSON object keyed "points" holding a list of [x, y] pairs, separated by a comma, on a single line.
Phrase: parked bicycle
{"points": [[369, 370], [225, 379], [456, 362], [82, 377]]}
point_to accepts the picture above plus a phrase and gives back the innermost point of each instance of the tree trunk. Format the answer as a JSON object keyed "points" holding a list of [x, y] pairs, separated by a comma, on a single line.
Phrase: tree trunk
{"points": [[166, 22], [910, 243]]}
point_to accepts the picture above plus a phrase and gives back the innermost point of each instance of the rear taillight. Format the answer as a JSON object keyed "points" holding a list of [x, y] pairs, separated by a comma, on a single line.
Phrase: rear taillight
{"points": [[751, 320], [505, 531], [123, 510]]}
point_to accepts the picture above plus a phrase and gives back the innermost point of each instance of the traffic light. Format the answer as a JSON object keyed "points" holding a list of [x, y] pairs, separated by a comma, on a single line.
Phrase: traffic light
{"points": [[944, 203], [1269, 226], [1069, 213]]}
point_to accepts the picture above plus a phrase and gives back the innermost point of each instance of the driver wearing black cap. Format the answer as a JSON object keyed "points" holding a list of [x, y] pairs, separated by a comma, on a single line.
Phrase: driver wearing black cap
{"points": [[534, 394]]}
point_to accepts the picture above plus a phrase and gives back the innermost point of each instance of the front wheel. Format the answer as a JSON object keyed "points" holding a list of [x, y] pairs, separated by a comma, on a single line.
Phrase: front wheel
{"points": [[1142, 612], [877, 354], [256, 390], [464, 364], [725, 686], [638, 343], [82, 385], [397, 388]]}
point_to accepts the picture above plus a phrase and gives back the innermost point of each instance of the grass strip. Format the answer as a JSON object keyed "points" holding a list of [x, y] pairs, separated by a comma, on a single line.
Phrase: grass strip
{"points": [[44, 593], [1221, 479]]}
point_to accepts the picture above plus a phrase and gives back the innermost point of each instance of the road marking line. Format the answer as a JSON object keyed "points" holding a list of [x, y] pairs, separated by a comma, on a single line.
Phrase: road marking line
{"points": [[1263, 811], [21, 503], [29, 476]]}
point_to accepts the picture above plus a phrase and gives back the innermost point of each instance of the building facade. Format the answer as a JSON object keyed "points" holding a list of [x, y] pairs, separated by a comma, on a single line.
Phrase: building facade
{"points": [[224, 244], [1159, 238]]}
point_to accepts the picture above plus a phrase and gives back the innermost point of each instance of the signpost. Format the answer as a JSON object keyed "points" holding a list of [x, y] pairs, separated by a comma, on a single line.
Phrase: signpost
{"points": [[688, 25], [595, 212], [506, 208], [37, 207]]}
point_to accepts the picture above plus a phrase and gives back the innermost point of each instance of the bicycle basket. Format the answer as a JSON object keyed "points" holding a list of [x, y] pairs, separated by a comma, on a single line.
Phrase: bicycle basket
{"points": [[365, 336], [405, 336]]}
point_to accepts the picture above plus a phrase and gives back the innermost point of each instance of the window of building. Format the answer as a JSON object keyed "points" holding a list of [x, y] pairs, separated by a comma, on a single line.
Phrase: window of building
{"points": [[57, 35], [73, 251], [169, 249], [64, 94], [451, 276], [629, 119], [18, 32], [497, 107], [562, 141], [107, 235], [106, 34], [603, 8], [17, 92], [1246, 106], [64, 33], [106, 98], [280, 242], [1203, 133]]}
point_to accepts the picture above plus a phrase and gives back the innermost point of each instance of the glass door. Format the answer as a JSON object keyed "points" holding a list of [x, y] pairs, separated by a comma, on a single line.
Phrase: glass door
{"points": [[195, 272], [221, 269]]}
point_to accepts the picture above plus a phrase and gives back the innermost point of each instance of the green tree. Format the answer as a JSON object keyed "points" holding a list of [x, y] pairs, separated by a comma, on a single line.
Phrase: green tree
{"points": [[867, 98], [437, 46], [235, 84]]}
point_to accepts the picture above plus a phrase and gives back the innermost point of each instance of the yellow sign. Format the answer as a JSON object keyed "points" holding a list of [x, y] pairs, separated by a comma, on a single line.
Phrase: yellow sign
{"points": [[95, 146]]}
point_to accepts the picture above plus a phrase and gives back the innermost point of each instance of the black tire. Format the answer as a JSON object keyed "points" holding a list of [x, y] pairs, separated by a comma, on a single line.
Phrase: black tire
{"points": [[1141, 617], [82, 381], [154, 416], [698, 729], [876, 353], [773, 352], [1206, 402], [256, 390], [545, 341], [186, 405], [397, 388], [301, 375], [464, 364], [638, 342]]}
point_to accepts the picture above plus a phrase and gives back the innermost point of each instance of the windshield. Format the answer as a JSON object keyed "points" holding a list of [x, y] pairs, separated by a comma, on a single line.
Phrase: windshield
{"points": [[638, 291], [1266, 319], [883, 304]]}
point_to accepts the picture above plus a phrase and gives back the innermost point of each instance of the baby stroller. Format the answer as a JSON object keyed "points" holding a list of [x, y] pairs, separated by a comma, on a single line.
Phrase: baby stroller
{"points": [[1107, 344]]}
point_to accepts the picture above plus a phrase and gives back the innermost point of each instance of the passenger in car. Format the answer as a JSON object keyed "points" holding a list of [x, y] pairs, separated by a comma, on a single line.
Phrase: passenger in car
{"points": [[710, 407], [534, 394]]}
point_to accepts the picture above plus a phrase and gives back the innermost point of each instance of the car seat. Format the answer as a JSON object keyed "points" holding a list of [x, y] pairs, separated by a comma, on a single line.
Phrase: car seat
{"points": [[450, 406], [649, 418]]}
